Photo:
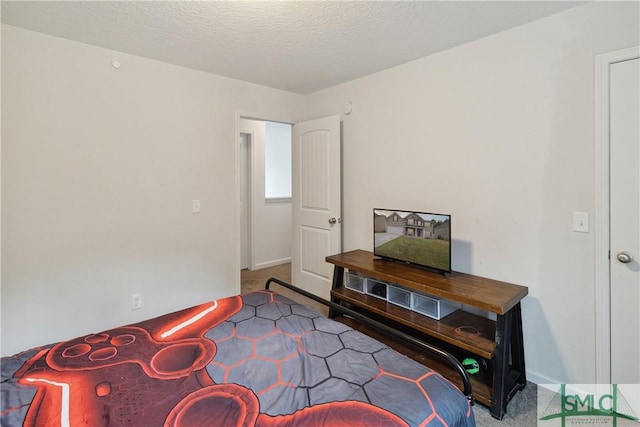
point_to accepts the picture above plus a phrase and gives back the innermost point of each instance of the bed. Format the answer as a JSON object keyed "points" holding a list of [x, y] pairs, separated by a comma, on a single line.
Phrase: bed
{"points": [[258, 359]]}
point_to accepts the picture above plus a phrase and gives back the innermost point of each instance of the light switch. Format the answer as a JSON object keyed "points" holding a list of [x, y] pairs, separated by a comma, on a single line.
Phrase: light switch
{"points": [[581, 222], [195, 206]]}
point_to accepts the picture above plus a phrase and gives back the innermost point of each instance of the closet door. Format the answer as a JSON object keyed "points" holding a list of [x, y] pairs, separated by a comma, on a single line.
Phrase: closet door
{"points": [[625, 221]]}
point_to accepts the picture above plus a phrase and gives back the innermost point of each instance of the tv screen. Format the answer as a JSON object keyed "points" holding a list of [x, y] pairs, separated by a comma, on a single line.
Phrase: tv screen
{"points": [[419, 238]]}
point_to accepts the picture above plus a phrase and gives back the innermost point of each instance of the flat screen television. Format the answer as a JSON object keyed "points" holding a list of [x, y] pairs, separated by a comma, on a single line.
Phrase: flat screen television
{"points": [[420, 239]]}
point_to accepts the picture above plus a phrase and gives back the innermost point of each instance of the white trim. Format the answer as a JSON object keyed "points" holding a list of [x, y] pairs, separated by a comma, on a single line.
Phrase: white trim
{"points": [[538, 378], [602, 273], [243, 130], [246, 163], [272, 263], [277, 199], [237, 281]]}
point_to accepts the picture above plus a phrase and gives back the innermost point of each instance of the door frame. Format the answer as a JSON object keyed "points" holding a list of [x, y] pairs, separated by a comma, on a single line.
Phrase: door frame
{"points": [[602, 217], [246, 174], [252, 115]]}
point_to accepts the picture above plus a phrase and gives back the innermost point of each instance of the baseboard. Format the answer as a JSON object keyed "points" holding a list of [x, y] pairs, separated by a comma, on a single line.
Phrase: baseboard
{"points": [[273, 263], [538, 378]]}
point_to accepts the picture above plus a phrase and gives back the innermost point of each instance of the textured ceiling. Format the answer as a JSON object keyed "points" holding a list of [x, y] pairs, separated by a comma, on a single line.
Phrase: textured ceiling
{"points": [[299, 46]]}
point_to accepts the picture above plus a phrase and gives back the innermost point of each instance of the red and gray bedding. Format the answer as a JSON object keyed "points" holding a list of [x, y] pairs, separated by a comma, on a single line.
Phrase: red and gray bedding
{"points": [[253, 360]]}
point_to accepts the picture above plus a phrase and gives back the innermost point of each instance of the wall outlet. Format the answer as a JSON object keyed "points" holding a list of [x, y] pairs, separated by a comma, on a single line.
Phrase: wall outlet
{"points": [[195, 206], [136, 301], [581, 222]]}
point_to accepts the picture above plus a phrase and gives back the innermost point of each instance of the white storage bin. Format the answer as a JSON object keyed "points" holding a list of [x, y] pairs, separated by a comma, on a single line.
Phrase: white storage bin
{"points": [[430, 306], [376, 288], [399, 296], [355, 282]]}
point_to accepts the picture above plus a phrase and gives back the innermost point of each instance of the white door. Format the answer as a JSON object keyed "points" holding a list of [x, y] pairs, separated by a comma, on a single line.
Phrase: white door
{"points": [[625, 221], [317, 223]]}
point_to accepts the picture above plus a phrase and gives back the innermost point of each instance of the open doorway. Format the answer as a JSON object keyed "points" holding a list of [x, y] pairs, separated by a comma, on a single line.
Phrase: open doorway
{"points": [[316, 186], [265, 193]]}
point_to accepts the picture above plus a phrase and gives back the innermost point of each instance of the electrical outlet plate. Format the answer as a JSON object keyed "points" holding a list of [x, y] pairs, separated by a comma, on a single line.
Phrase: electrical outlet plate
{"points": [[136, 301], [195, 206], [581, 222]]}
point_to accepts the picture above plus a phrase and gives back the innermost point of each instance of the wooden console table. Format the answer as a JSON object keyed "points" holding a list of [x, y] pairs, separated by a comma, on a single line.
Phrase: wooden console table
{"points": [[461, 333]]}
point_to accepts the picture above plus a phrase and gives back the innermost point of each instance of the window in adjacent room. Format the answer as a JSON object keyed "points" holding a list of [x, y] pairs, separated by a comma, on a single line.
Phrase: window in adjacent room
{"points": [[277, 159]]}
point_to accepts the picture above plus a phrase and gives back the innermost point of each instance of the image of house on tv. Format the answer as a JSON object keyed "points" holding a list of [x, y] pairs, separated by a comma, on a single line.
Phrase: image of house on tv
{"points": [[411, 224]]}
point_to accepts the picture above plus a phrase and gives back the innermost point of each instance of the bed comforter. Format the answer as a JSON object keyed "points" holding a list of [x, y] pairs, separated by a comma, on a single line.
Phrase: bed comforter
{"points": [[253, 360]]}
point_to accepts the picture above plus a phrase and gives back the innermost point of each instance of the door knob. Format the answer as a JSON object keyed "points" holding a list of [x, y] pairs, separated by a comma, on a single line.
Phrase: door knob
{"points": [[624, 257], [332, 221]]}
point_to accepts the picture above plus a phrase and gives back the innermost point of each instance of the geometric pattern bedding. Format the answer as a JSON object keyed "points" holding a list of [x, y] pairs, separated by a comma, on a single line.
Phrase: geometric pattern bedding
{"points": [[257, 359]]}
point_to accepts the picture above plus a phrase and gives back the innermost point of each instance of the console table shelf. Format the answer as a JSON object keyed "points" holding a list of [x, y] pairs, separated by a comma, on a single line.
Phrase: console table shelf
{"points": [[483, 344], [499, 342]]}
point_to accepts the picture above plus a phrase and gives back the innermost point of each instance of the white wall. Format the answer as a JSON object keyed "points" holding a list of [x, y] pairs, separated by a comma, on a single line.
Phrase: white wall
{"points": [[271, 221], [499, 133], [99, 167]]}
